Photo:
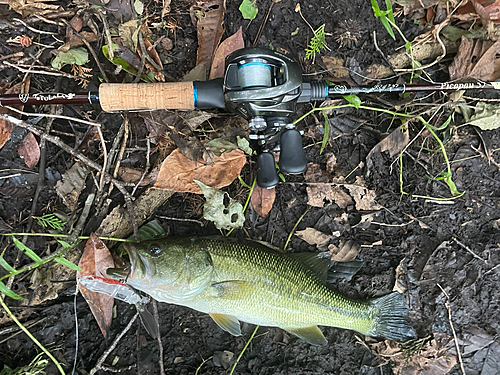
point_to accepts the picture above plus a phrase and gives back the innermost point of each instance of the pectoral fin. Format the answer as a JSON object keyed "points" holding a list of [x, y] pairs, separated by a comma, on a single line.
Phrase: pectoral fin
{"points": [[311, 334], [227, 323]]}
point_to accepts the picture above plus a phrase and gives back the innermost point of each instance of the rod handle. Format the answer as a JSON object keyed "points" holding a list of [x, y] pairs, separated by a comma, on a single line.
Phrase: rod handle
{"points": [[148, 96]]}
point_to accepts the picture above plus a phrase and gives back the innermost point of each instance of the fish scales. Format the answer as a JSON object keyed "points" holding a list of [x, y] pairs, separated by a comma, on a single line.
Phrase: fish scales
{"points": [[241, 280], [292, 294]]}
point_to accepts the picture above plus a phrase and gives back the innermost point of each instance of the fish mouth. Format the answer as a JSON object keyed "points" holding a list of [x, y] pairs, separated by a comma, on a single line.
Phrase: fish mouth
{"points": [[139, 266]]}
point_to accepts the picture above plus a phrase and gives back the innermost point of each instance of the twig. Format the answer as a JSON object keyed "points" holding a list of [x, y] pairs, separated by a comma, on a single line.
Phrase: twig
{"points": [[447, 305], [32, 28], [157, 319], [82, 219], [179, 219], [83, 158], [50, 72], [259, 32], [105, 158], [107, 33], [381, 53], [469, 250], [53, 116], [113, 346], [438, 38], [145, 169]]}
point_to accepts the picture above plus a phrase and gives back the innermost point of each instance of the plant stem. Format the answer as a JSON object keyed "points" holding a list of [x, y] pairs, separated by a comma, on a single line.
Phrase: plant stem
{"points": [[246, 203], [28, 333], [244, 348]]}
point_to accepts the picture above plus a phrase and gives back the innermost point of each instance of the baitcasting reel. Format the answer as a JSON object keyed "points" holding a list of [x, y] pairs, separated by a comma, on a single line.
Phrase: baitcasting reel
{"points": [[264, 87]]}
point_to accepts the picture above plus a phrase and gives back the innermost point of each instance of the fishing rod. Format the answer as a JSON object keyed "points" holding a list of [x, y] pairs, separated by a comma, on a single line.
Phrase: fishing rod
{"points": [[261, 85]]}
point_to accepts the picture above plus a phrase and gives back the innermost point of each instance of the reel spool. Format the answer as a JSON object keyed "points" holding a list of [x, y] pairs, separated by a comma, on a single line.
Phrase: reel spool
{"points": [[254, 73], [264, 86]]}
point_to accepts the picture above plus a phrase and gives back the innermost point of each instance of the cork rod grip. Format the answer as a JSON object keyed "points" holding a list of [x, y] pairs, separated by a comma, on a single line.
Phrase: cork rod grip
{"points": [[137, 96]]}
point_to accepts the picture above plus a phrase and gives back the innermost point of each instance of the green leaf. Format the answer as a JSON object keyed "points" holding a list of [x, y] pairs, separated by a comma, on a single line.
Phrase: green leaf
{"points": [[64, 244], [124, 57], [486, 116], [6, 265], [326, 134], [27, 250], [353, 99], [376, 9], [9, 293], [390, 13], [220, 145], [78, 56], [139, 7], [67, 263], [248, 9], [387, 27]]}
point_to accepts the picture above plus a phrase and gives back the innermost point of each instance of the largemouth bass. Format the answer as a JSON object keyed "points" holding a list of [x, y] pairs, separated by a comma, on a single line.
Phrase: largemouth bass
{"points": [[236, 280]]}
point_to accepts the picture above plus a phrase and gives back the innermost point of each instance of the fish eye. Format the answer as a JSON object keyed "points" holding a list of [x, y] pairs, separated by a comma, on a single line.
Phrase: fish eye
{"points": [[154, 250]]}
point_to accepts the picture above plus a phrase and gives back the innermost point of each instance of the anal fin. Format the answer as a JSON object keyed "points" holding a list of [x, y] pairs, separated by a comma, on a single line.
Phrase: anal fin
{"points": [[311, 335], [227, 323]]}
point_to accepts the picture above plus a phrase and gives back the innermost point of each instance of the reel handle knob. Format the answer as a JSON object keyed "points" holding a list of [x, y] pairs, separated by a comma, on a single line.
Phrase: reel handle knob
{"points": [[292, 156], [267, 177]]}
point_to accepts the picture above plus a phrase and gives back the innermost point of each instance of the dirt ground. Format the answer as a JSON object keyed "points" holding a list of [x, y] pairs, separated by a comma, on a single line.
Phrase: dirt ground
{"points": [[443, 254]]}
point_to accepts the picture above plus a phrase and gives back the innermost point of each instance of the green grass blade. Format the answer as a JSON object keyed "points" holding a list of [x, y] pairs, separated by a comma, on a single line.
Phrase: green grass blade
{"points": [[9, 293], [388, 27], [6, 265], [326, 135], [67, 263], [64, 244], [26, 250], [390, 13]]}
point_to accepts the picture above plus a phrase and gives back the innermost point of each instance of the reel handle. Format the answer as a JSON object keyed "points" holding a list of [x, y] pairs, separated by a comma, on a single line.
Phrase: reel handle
{"points": [[267, 177], [292, 156], [170, 95]]}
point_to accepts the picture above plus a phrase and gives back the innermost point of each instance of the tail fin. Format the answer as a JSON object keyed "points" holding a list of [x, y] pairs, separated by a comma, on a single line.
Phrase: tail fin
{"points": [[390, 318]]}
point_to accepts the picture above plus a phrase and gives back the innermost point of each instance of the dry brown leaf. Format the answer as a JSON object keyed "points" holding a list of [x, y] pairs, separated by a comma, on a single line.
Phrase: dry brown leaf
{"points": [[231, 44], [323, 193], [364, 197], [178, 172], [313, 236], [394, 142], [335, 66], [209, 16], [152, 53], [134, 175], [476, 59], [314, 173], [262, 200], [6, 127], [73, 182], [27, 9], [436, 356], [29, 150], [345, 252], [5, 130], [488, 9], [95, 259]]}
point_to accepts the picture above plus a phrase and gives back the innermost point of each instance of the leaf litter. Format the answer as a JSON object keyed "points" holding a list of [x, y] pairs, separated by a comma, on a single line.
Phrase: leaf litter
{"points": [[95, 259], [225, 215]]}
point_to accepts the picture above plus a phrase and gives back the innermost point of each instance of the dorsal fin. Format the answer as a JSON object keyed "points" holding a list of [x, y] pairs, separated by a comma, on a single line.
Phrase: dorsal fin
{"points": [[326, 269], [315, 262]]}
